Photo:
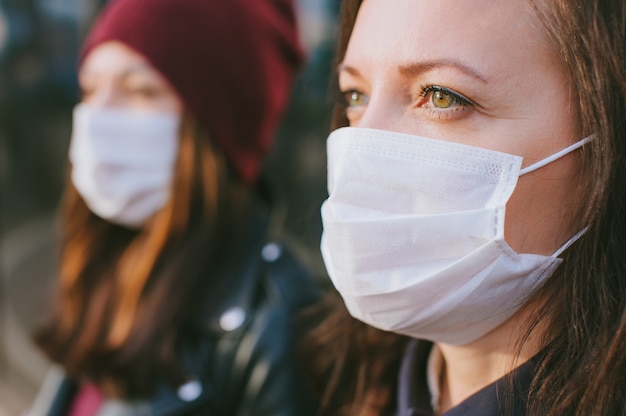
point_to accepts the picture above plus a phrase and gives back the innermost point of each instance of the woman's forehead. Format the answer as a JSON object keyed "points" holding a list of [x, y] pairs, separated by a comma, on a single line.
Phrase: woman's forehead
{"points": [[488, 36], [115, 57]]}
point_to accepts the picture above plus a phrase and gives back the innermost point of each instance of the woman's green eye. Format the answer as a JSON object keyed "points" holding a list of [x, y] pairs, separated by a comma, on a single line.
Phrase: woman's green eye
{"points": [[355, 98], [442, 99], [144, 92]]}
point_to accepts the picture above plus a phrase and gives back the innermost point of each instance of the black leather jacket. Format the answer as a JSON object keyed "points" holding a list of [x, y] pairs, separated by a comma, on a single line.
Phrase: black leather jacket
{"points": [[245, 362]]}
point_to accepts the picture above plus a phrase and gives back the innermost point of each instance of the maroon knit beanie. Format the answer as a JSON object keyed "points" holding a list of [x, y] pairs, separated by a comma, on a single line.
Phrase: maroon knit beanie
{"points": [[232, 62]]}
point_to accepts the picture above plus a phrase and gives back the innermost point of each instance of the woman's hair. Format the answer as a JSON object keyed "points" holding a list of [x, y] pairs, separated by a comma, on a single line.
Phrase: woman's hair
{"points": [[584, 304], [582, 307], [126, 298]]}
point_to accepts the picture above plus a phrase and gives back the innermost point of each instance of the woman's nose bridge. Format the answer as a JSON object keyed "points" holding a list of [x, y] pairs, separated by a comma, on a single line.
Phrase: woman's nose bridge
{"points": [[105, 95]]}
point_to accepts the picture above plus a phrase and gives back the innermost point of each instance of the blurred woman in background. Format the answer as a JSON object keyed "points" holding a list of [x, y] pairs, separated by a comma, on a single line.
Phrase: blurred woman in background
{"points": [[172, 298]]}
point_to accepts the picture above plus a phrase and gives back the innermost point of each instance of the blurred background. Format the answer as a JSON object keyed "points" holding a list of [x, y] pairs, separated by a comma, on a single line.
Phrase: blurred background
{"points": [[39, 41]]}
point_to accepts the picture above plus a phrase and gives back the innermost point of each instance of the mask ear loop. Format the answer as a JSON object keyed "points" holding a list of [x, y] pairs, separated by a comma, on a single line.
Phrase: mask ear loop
{"points": [[555, 156], [569, 242], [550, 159]]}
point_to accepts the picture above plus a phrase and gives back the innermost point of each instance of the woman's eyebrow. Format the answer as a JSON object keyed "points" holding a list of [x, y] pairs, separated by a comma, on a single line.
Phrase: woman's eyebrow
{"points": [[127, 72], [137, 69], [418, 68], [349, 69]]}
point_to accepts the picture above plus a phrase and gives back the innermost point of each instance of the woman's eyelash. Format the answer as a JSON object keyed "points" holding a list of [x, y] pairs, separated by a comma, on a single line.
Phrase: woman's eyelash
{"points": [[457, 98]]}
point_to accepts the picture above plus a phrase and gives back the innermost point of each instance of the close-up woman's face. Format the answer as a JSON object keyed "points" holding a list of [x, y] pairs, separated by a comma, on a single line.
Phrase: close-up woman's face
{"points": [[478, 72], [114, 76]]}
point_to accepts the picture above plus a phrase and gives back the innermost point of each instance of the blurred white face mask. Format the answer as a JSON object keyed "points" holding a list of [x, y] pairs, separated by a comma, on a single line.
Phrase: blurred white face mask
{"points": [[414, 234], [123, 161]]}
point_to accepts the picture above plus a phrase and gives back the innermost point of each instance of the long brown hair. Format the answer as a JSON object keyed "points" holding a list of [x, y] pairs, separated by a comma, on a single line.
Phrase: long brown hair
{"points": [[582, 307], [585, 304], [126, 298]]}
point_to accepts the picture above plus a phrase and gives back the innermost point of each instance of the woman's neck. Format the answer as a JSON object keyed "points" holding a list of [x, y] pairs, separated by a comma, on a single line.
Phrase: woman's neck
{"points": [[468, 368]]}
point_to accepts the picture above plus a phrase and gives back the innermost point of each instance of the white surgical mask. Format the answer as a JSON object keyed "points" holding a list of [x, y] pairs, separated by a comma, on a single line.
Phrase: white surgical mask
{"points": [[123, 161], [414, 234]]}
